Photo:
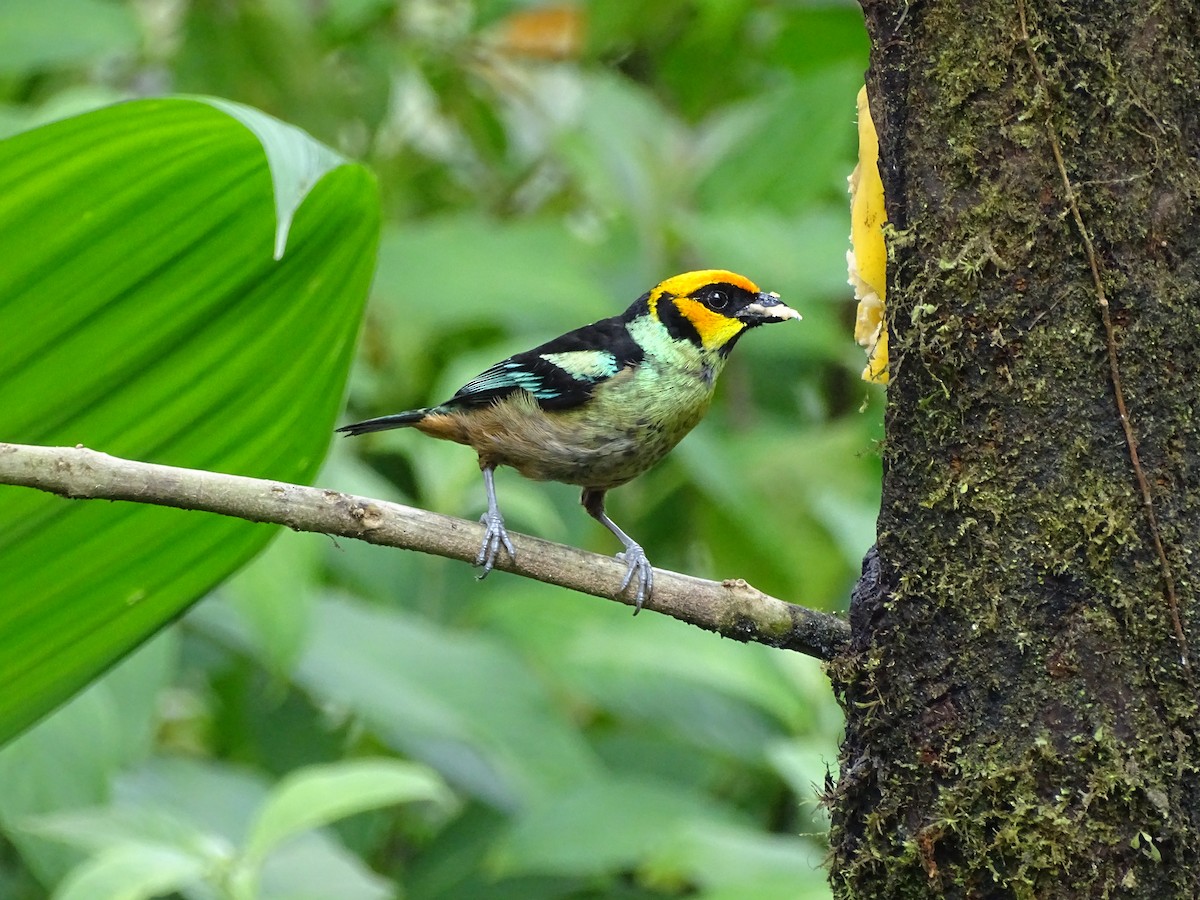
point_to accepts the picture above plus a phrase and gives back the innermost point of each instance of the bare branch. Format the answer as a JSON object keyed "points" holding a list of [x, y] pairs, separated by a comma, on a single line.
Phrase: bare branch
{"points": [[730, 608]]}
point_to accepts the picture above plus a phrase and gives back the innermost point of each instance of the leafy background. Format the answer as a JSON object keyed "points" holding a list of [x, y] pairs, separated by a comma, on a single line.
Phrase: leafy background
{"points": [[540, 167]]}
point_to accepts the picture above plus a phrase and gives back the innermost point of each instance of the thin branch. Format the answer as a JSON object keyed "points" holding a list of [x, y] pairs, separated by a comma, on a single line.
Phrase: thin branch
{"points": [[731, 608], [1110, 335]]}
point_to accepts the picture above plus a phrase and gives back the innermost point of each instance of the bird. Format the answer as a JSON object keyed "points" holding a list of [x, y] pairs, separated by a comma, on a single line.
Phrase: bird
{"points": [[598, 406]]}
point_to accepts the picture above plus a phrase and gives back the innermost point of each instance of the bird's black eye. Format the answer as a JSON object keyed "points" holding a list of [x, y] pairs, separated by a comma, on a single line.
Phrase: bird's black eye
{"points": [[718, 300]]}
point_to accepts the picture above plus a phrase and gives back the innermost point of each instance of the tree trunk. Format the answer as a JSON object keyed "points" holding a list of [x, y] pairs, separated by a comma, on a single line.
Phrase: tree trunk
{"points": [[1021, 697]]}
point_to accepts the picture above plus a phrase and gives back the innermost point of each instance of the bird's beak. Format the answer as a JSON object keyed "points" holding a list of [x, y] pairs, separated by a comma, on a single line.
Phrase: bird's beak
{"points": [[767, 308]]}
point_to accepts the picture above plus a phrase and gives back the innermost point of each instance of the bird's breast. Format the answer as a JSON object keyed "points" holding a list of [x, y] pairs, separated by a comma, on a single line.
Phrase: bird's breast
{"points": [[630, 423]]}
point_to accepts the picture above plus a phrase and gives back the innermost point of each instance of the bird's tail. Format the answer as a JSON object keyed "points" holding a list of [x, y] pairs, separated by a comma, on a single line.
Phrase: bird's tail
{"points": [[383, 423]]}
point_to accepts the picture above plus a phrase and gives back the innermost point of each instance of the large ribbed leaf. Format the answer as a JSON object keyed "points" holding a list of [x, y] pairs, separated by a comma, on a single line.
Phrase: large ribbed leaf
{"points": [[142, 313]]}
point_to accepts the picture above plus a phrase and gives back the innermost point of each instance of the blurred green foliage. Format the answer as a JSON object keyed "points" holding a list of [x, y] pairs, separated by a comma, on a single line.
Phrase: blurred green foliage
{"points": [[541, 167]]}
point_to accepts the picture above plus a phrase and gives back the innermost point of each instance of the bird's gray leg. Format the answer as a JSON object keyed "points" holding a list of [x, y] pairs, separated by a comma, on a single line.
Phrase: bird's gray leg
{"points": [[494, 536], [634, 556]]}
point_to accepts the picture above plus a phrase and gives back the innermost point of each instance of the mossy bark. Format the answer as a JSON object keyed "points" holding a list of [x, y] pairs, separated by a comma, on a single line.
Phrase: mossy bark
{"points": [[1020, 718]]}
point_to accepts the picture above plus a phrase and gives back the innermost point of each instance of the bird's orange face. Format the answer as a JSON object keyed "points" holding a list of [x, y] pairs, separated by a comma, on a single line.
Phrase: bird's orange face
{"points": [[719, 305]]}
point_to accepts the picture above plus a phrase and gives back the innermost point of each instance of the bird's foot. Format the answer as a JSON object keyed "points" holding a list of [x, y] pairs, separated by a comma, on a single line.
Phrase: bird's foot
{"points": [[495, 536], [635, 558]]}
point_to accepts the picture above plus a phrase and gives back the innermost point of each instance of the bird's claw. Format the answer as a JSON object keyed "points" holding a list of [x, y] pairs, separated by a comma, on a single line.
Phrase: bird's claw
{"points": [[495, 536], [637, 564]]}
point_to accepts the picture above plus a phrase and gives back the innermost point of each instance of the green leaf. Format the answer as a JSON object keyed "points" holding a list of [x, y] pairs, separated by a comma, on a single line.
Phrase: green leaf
{"points": [[101, 828], [70, 758], [735, 862], [674, 835], [317, 795], [170, 796], [613, 822], [142, 313], [296, 161], [462, 703], [134, 871], [696, 664]]}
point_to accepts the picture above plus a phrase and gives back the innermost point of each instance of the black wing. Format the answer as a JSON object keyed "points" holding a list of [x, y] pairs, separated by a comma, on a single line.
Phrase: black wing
{"points": [[559, 374]]}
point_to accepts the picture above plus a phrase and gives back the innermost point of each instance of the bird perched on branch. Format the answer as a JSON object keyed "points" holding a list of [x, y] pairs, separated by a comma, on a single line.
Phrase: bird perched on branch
{"points": [[599, 405]]}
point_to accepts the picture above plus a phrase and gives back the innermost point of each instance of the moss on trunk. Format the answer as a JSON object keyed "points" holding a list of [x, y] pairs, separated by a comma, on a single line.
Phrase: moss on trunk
{"points": [[1019, 721]]}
